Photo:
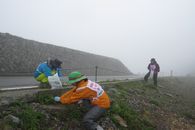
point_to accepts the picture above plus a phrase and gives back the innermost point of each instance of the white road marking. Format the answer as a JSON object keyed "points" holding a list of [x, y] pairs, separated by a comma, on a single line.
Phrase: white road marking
{"points": [[17, 88]]}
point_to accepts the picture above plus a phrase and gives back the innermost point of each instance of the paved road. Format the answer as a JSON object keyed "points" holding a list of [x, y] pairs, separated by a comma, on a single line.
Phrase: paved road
{"points": [[26, 81], [13, 81]]}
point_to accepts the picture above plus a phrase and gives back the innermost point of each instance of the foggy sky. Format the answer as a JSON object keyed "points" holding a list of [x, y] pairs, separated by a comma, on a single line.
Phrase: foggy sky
{"points": [[133, 31]]}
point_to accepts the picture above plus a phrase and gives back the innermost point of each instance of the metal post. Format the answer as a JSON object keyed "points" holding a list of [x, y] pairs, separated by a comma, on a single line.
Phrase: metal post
{"points": [[171, 73], [96, 67]]}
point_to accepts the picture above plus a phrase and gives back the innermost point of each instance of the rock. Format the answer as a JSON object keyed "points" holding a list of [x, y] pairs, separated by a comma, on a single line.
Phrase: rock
{"points": [[99, 127], [107, 124], [28, 98], [168, 94], [160, 86], [6, 101], [131, 91], [135, 91], [120, 120], [11, 118]]}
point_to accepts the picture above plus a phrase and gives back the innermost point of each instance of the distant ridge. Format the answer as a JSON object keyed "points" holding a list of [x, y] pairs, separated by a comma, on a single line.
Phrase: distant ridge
{"points": [[20, 56]]}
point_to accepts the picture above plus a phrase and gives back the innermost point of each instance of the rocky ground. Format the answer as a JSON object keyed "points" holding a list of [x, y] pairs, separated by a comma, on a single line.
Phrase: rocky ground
{"points": [[135, 106]]}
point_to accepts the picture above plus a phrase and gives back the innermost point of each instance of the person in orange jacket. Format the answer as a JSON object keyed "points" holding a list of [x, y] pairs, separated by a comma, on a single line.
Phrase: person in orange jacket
{"points": [[83, 92]]}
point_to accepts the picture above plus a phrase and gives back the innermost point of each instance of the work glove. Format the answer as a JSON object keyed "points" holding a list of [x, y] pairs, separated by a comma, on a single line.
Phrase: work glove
{"points": [[80, 103], [57, 98]]}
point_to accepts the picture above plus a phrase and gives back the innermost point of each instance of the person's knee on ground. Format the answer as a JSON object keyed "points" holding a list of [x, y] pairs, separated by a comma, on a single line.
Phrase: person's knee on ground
{"points": [[90, 118], [89, 124]]}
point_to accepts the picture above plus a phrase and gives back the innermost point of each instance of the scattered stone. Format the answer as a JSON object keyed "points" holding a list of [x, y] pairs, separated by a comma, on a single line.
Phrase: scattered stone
{"points": [[160, 86], [11, 118], [28, 98], [168, 94], [107, 124], [121, 121], [135, 91], [6, 101], [131, 91]]}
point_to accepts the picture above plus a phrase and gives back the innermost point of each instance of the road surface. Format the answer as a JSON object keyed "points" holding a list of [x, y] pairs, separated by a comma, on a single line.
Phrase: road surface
{"points": [[28, 81]]}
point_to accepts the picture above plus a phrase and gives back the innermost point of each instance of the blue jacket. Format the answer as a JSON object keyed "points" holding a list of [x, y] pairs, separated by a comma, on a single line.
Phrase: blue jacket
{"points": [[44, 68]]}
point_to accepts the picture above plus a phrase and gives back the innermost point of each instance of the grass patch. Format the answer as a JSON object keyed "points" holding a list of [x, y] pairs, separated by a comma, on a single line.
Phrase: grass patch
{"points": [[126, 90], [133, 119], [155, 102], [189, 115], [135, 102], [45, 99], [74, 112], [30, 119]]}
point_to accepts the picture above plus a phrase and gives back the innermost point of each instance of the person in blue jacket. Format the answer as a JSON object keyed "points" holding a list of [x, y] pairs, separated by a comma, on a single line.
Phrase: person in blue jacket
{"points": [[48, 68]]}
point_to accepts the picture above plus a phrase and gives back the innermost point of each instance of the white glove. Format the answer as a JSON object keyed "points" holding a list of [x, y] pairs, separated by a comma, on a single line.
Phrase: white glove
{"points": [[80, 101], [56, 98]]}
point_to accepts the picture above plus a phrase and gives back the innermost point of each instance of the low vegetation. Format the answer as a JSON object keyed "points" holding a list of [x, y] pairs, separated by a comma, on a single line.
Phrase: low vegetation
{"points": [[136, 105]]}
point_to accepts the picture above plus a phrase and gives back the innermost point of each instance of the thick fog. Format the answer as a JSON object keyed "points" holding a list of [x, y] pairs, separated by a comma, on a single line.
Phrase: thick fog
{"points": [[133, 31]]}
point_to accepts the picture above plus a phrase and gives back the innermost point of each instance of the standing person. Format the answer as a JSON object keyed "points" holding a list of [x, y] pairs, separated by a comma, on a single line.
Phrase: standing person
{"points": [[90, 94], [153, 68], [48, 68]]}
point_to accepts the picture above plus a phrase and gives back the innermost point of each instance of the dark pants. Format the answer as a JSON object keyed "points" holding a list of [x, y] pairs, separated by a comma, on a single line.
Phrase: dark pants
{"points": [[155, 77], [90, 118]]}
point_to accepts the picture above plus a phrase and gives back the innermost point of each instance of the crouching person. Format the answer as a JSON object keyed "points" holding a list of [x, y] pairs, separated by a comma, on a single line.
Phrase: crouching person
{"points": [[45, 69], [87, 91]]}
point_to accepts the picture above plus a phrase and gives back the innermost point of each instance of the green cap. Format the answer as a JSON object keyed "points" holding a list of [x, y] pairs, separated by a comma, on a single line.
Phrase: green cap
{"points": [[75, 76]]}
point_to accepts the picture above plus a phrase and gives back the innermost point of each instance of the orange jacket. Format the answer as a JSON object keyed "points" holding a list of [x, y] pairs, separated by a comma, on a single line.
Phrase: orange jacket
{"points": [[87, 90]]}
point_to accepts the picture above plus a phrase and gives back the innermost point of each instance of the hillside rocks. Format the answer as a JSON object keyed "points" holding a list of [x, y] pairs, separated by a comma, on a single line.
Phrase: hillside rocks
{"points": [[21, 57]]}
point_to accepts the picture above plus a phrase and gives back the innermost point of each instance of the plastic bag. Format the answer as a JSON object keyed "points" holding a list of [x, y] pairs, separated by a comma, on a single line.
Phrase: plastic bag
{"points": [[55, 82]]}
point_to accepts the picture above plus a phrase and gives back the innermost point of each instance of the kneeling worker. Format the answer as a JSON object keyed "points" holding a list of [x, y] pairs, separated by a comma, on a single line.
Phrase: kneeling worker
{"points": [[46, 69], [86, 90]]}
